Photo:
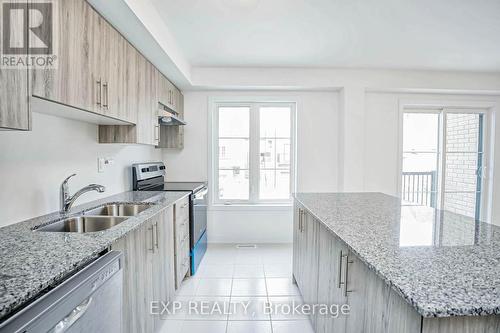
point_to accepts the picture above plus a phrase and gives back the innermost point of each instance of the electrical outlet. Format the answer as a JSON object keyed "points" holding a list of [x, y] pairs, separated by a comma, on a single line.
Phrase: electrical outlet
{"points": [[101, 162]]}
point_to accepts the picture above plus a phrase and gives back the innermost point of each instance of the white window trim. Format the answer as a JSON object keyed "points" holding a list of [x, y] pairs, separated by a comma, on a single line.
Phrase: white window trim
{"points": [[442, 107], [214, 103]]}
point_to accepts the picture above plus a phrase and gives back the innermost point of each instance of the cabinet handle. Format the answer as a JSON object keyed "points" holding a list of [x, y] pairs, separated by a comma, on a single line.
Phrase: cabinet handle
{"points": [[156, 234], [341, 258], [99, 92], [347, 275], [152, 249], [157, 132], [105, 88], [302, 225], [300, 218]]}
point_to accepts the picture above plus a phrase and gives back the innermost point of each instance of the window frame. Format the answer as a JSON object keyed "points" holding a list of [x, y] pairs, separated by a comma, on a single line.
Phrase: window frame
{"points": [[442, 108], [254, 149]]}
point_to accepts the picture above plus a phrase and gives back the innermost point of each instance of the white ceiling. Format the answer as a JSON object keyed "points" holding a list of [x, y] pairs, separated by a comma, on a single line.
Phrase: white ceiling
{"points": [[409, 34]]}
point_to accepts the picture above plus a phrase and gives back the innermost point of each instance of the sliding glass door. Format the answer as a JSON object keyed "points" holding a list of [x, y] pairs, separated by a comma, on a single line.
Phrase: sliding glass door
{"points": [[444, 160]]}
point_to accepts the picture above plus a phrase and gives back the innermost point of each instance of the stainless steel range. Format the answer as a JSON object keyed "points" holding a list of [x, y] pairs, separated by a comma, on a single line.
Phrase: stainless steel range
{"points": [[151, 177]]}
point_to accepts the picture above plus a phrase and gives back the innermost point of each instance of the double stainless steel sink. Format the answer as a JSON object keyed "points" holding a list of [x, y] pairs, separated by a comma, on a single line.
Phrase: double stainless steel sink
{"points": [[97, 219]]}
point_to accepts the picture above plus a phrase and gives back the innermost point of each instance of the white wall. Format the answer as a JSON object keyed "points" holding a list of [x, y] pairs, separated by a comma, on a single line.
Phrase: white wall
{"points": [[33, 165], [346, 141], [317, 156]]}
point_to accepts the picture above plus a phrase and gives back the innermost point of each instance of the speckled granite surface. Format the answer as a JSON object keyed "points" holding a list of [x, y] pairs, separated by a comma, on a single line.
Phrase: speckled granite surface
{"points": [[30, 261], [440, 262]]}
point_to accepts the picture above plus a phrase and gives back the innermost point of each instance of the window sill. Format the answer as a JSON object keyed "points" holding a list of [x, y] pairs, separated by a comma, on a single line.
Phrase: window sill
{"points": [[252, 207]]}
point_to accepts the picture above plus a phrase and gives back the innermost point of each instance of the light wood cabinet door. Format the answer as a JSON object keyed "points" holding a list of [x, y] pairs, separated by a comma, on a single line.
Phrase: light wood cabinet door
{"points": [[148, 271], [163, 89], [141, 104], [374, 306], [14, 107], [310, 254], [112, 66], [149, 131], [168, 94], [134, 247], [163, 263], [306, 256], [330, 279], [297, 244], [75, 82], [176, 100], [131, 82]]}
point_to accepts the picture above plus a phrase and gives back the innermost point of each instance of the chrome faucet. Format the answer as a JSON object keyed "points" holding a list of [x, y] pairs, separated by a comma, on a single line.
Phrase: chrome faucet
{"points": [[67, 200]]}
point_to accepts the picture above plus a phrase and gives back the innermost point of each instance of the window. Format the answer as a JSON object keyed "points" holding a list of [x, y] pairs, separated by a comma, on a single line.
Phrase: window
{"points": [[444, 159], [253, 152]]}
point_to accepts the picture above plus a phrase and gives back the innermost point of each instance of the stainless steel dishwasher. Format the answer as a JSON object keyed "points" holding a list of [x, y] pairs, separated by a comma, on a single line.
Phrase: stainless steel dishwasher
{"points": [[88, 301]]}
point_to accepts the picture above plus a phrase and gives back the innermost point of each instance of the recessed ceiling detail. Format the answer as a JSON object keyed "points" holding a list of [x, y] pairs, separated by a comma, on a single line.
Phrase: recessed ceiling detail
{"points": [[402, 34]]}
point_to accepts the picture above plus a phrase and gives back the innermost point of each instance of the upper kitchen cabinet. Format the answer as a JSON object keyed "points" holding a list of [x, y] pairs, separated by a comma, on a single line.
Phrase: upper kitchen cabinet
{"points": [[14, 107], [140, 100], [170, 100], [168, 94], [112, 68], [91, 64], [76, 81]]}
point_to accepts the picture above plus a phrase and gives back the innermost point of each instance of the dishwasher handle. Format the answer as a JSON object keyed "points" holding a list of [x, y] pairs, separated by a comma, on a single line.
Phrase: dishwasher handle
{"points": [[72, 317]]}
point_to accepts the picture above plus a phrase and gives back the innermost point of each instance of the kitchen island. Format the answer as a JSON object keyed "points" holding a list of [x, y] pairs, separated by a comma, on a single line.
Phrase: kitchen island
{"points": [[400, 268]]}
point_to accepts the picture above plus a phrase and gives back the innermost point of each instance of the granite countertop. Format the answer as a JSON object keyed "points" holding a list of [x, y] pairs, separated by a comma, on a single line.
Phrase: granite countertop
{"points": [[31, 262], [442, 263]]}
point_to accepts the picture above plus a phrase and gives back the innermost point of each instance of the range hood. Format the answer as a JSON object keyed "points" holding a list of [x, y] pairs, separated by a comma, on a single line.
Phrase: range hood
{"points": [[169, 118], [171, 121]]}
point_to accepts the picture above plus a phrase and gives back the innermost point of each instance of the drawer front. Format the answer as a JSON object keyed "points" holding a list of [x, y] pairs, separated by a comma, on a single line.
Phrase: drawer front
{"points": [[182, 260], [182, 231], [182, 210], [185, 260], [183, 235]]}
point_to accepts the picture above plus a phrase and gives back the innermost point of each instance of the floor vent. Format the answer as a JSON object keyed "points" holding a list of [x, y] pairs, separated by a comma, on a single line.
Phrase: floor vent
{"points": [[246, 246]]}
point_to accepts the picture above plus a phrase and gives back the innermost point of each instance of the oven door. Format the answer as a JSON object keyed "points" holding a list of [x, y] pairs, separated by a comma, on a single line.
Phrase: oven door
{"points": [[199, 203]]}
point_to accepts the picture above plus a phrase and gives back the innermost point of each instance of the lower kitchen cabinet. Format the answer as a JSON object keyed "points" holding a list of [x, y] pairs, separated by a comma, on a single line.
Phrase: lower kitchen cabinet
{"points": [[328, 272], [148, 271], [331, 252], [307, 258]]}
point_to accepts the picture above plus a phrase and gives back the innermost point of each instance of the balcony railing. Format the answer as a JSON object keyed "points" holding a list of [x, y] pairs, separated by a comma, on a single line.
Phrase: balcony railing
{"points": [[419, 188]]}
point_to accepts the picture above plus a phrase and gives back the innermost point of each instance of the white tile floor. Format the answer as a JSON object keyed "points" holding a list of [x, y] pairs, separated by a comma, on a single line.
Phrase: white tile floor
{"points": [[230, 277]]}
